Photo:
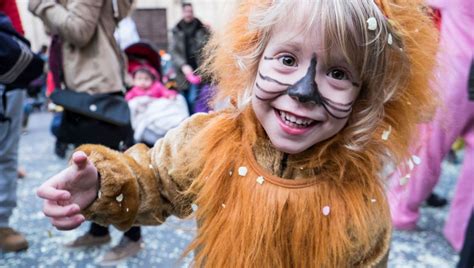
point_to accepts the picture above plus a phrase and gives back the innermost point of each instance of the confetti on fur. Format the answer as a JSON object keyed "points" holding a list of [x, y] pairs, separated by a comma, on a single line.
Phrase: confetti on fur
{"points": [[119, 198], [242, 171], [386, 133], [326, 210], [371, 24], [260, 180]]}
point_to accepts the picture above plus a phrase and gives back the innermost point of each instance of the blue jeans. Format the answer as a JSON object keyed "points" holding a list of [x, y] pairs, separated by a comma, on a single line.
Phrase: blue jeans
{"points": [[191, 95], [9, 139]]}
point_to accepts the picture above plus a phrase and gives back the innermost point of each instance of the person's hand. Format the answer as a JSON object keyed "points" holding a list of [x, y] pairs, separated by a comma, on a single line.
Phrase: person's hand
{"points": [[193, 79], [69, 191], [187, 70]]}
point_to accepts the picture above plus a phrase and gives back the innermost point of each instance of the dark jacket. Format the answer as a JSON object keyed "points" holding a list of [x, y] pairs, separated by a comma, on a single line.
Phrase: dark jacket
{"points": [[178, 48]]}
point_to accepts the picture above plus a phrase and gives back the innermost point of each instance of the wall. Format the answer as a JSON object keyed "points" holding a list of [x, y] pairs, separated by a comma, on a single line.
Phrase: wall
{"points": [[212, 12]]}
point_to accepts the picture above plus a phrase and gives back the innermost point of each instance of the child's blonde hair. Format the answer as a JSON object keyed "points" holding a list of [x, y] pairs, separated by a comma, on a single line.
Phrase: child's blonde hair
{"points": [[395, 61]]}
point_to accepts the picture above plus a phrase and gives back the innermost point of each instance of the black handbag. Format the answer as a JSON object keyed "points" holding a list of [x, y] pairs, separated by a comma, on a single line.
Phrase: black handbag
{"points": [[98, 119], [110, 108]]}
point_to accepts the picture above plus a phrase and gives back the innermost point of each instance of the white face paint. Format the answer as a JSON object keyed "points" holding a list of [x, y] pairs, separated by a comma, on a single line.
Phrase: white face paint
{"points": [[294, 123]]}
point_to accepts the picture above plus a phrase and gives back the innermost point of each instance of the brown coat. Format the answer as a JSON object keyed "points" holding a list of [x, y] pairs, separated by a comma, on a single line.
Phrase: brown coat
{"points": [[144, 186], [91, 56]]}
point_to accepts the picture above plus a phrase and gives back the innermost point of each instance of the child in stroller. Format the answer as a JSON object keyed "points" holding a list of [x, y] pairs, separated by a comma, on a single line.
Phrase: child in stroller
{"points": [[154, 108]]}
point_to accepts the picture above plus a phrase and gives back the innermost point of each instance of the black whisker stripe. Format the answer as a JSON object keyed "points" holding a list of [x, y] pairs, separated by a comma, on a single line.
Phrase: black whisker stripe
{"points": [[337, 117], [337, 108], [337, 103], [269, 92], [268, 99], [267, 78]]}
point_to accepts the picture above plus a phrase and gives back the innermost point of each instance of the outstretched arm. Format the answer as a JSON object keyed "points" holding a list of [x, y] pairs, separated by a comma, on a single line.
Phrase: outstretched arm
{"points": [[141, 186]]}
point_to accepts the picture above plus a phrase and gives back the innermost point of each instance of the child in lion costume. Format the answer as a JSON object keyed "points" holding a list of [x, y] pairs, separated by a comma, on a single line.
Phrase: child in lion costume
{"points": [[321, 95]]}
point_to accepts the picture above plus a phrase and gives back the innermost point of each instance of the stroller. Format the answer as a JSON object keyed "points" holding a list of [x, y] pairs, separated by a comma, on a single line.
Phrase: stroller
{"points": [[152, 117]]}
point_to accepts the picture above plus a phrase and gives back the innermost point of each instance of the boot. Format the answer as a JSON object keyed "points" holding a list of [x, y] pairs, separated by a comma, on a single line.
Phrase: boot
{"points": [[11, 240]]}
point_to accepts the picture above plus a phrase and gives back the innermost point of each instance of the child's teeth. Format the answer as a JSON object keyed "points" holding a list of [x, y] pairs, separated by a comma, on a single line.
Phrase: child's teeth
{"points": [[292, 121]]}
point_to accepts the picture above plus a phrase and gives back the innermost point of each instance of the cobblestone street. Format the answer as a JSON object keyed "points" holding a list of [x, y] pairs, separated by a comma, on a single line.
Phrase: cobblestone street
{"points": [[163, 245]]}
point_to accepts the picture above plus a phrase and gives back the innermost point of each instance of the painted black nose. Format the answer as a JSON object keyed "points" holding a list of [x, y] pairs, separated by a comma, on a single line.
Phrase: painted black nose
{"points": [[306, 89]]}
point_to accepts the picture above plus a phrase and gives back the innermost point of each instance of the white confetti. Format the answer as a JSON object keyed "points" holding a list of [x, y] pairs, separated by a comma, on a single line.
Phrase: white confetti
{"points": [[150, 166], [230, 173], [411, 166], [301, 168], [386, 133], [371, 24], [416, 159], [260, 180], [223, 205], [326, 210], [126, 209], [119, 198], [373, 200], [390, 39], [242, 171], [194, 207], [404, 179], [99, 194]]}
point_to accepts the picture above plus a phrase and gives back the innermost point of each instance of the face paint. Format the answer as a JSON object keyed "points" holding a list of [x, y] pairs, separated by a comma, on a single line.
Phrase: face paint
{"points": [[306, 90], [299, 97]]}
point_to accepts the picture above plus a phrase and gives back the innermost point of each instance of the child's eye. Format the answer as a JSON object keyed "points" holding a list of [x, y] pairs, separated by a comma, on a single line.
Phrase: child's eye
{"points": [[288, 60], [338, 74]]}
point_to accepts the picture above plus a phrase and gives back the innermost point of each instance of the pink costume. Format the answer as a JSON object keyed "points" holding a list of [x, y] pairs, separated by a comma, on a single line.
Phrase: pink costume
{"points": [[454, 119], [157, 90]]}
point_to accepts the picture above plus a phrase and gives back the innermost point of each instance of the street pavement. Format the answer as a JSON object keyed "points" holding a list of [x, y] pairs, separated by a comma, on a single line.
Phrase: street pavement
{"points": [[163, 245]]}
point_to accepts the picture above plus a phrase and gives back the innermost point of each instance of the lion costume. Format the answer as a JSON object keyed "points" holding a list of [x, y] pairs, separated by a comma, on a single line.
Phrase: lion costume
{"points": [[259, 207]]}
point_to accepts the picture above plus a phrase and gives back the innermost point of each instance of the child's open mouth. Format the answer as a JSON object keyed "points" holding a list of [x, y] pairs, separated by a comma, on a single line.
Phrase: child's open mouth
{"points": [[293, 124]]}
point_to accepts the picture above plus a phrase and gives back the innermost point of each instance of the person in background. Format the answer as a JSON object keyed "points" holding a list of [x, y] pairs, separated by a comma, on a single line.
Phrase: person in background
{"points": [[88, 59], [454, 119], [126, 33], [466, 257], [146, 82], [10, 239], [188, 39]]}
